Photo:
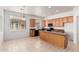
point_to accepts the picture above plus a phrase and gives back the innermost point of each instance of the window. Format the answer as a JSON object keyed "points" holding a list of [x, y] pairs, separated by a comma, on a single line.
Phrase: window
{"points": [[17, 24]]}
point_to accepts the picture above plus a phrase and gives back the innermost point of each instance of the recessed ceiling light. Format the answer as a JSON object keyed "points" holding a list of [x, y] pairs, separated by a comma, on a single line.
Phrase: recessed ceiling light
{"points": [[57, 10], [49, 6]]}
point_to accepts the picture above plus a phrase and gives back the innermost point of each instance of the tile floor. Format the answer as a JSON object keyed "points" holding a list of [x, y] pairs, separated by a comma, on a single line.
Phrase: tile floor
{"points": [[34, 44]]}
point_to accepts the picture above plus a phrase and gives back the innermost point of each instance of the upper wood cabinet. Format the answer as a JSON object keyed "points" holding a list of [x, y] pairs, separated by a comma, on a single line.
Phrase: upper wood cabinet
{"points": [[46, 23], [65, 19], [59, 22], [70, 19], [49, 21], [53, 22], [32, 22]]}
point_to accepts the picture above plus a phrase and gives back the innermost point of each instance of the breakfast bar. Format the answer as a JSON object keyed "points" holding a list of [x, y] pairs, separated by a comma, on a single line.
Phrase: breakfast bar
{"points": [[58, 39]]}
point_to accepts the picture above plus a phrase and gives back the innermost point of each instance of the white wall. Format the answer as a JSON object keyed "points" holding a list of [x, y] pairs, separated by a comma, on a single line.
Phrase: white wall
{"points": [[40, 23], [1, 31], [78, 29], [68, 28], [1, 26], [76, 23], [17, 34], [0, 23]]}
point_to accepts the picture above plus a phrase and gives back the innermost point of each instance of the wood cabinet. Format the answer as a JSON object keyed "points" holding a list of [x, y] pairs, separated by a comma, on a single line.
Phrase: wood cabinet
{"points": [[53, 21], [32, 22], [32, 32], [57, 40], [43, 36], [49, 21], [70, 19], [65, 19], [59, 22]]}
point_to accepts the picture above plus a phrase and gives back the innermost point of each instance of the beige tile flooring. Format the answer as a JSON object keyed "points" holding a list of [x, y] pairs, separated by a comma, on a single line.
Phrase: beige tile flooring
{"points": [[34, 44]]}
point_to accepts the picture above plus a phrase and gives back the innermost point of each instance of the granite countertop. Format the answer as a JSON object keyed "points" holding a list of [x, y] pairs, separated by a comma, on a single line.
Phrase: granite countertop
{"points": [[54, 32]]}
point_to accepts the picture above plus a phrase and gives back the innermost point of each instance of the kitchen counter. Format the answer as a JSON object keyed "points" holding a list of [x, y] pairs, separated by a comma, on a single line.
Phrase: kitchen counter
{"points": [[58, 39], [54, 32]]}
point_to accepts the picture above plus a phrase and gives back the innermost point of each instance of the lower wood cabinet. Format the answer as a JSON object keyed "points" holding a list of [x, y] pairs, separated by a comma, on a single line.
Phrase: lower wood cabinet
{"points": [[57, 40], [34, 32]]}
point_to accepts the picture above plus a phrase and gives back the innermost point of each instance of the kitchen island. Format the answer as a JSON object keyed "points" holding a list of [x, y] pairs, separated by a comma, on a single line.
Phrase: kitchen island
{"points": [[58, 39]]}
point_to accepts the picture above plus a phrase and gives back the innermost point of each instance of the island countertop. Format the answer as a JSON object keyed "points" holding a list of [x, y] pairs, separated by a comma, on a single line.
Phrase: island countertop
{"points": [[58, 39], [54, 32]]}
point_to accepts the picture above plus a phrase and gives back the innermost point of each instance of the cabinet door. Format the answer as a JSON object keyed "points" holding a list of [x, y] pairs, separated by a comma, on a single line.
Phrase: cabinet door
{"points": [[49, 21], [32, 22], [43, 35], [70, 19], [65, 19], [46, 23], [54, 22], [57, 22], [32, 33], [61, 22]]}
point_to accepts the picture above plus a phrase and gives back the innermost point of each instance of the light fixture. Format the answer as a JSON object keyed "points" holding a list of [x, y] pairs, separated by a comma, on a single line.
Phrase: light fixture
{"points": [[22, 11], [57, 10], [49, 6]]}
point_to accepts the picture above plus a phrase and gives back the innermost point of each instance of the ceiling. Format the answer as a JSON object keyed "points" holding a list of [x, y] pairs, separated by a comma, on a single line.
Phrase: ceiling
{"points": [[39, 10]]}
